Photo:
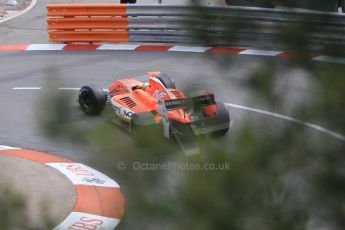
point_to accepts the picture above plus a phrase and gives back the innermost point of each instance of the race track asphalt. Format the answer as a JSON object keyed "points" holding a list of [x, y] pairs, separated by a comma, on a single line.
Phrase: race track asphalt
{"points": [[24, 111]]}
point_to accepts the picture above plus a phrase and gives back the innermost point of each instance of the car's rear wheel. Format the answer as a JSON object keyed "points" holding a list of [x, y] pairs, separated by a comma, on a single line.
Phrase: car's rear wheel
{"points": [[92, 100], [166, 81]]}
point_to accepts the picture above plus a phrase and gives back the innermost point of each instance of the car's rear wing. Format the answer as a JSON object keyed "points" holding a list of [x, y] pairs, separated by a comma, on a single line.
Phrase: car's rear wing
{"points": [[193, 102]]}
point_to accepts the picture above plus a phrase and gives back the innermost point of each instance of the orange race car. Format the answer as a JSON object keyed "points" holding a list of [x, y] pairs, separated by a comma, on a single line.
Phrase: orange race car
{"points": [[157, 106]]}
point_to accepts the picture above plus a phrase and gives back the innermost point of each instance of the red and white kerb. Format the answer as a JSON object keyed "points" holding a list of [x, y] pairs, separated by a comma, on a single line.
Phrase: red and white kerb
{"points": [[100, 202]]}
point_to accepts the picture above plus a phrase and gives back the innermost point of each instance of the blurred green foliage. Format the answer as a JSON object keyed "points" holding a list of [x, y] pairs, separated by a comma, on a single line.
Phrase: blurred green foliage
{"points": [[15, 212], [12, 210], [281, 176]]}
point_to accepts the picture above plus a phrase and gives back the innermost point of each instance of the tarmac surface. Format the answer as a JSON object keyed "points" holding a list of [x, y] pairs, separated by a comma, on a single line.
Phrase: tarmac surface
{"points": [[10, 9], [24, 111], [51, 70]]}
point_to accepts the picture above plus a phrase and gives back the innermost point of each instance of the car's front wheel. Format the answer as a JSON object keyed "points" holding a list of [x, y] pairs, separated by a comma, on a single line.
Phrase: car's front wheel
{"points": [[92, 100]]}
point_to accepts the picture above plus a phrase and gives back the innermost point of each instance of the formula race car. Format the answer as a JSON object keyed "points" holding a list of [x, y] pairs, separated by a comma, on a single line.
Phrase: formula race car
{"points": [[157, 106]]}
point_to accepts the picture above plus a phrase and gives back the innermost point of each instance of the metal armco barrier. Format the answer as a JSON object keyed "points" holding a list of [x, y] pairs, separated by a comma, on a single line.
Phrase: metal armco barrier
{"points": [[207, 25]]}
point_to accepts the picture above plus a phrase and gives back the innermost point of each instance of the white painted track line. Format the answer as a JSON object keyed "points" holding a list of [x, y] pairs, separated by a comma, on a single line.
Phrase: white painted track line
{"points": [[67, 88], [19, 13], [27, 88], [291, 119], [330, 59]]}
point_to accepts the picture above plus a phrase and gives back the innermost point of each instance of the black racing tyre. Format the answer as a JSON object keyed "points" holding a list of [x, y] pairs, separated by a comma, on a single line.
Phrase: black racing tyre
{"points": [[222, 116], [253, 3], [342, 5], [167, 81], [144, 129], [92, 100], [128, 1]]}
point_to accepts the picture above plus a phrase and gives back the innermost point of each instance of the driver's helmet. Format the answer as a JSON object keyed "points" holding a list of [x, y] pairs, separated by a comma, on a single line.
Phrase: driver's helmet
{"points": [[144, 85]]}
